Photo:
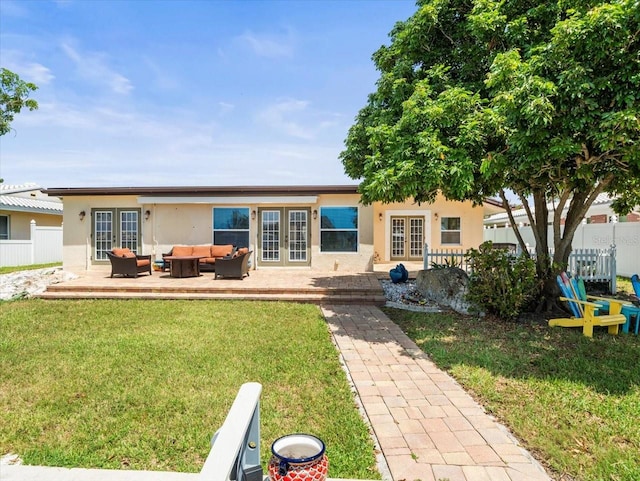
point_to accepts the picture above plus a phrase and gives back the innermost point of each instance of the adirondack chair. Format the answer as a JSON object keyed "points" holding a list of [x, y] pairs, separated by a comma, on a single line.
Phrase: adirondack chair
{"points": [[629, 311], [635, 282], [586, 313]]}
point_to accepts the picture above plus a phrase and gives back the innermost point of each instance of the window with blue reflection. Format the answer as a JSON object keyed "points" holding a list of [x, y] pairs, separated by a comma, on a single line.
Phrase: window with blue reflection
{"points": [[231, 226], [339, 229]]}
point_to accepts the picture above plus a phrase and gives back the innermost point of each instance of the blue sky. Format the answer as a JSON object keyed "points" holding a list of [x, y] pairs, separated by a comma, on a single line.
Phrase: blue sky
{"points": [[179, 93]]}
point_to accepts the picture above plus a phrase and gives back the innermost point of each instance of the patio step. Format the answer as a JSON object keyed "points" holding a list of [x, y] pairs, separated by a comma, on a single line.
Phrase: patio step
{"points": [[303, 295]]}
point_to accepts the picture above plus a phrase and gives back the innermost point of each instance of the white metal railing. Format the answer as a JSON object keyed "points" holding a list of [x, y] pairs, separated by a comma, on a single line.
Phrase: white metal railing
{"points": [[444, 258], [235, 448], [593, 265]]}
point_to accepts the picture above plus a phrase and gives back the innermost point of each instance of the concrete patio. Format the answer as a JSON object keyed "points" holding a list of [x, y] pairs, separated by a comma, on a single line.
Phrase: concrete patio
{"points": [[296, 285]]}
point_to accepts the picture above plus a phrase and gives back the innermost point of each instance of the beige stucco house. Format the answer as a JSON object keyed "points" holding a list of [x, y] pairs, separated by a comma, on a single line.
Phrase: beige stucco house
{"points": [[318, 227]]}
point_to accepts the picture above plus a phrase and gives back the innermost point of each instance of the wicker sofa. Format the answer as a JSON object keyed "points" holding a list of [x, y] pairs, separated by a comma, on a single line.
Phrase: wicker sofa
{"points": [[209, 254]]}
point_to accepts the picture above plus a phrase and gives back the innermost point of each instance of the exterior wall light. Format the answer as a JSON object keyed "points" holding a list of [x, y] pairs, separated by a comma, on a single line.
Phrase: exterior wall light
{"points": [[380, 216], [315, 214], [253, 215], [147, 214], [81, 215]]}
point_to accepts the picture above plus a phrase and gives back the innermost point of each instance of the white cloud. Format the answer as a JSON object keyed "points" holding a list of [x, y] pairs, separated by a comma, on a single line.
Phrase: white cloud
{"points": [[270, 46], [161, 79], [279, 117], [296, 118], [94, 67], [9, 8], [225, 108], [37, 73]]}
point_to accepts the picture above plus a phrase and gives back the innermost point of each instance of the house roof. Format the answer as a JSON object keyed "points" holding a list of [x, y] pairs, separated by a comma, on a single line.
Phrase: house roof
{"points": [[227, 191], [27, 198], [206, 190], [17, 188], [15, 203]]}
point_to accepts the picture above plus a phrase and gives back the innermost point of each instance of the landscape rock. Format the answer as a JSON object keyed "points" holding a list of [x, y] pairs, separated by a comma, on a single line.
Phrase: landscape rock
{"points": [[446, 287], [25, 284], [404, 295]]}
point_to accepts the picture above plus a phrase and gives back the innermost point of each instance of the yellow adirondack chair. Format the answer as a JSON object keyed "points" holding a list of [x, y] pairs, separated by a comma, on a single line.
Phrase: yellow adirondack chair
{"points": [[590, 317]]}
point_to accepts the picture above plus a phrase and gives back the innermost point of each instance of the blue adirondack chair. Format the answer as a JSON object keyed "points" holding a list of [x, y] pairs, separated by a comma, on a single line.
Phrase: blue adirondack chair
{"points": [[635, 282]]}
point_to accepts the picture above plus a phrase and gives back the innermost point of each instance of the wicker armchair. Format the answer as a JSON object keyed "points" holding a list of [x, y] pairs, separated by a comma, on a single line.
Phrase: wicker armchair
{"points": [[128, 264], [237, 266]]}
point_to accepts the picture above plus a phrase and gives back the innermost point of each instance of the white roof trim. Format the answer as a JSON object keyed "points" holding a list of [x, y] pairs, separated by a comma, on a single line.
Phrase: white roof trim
{"points": [[232, 200]]}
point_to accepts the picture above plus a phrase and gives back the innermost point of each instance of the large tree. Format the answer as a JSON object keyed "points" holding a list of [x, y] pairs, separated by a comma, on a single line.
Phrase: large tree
{"points": [[478, 96], [14, 96]]}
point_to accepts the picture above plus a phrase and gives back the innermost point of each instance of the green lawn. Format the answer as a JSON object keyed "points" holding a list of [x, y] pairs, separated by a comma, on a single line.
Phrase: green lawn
{"points": [[572, 400], [144, 384], [9, 269]]}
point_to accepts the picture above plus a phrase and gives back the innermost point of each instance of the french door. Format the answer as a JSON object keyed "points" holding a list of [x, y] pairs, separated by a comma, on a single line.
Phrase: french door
{"points": [[113, 228], [284, 237], [407, 237]]}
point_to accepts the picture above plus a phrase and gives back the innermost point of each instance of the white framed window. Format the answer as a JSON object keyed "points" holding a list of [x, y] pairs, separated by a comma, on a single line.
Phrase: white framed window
{"points": [[339, 229], [450, 232]]}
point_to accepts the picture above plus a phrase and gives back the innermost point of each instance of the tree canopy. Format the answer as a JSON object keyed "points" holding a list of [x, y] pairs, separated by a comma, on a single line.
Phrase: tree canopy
{"points": [[478, 96], [14, 96]]}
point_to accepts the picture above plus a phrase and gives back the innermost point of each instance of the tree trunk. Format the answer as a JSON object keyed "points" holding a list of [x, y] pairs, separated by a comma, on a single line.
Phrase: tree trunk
{"points": [[516, 230], [579, 204]]}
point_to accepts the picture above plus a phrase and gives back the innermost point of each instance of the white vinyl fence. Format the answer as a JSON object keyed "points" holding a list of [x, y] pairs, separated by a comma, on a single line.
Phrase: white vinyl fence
{"points": [[624, 235], [43, 247]]}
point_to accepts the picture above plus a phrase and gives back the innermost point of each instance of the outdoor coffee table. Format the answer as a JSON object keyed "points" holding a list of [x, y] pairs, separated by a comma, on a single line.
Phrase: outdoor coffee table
{"points": [[184, 266]]}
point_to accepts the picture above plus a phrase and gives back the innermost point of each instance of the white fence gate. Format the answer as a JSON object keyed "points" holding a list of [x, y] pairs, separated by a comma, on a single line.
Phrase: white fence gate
{"points": [[43, 247]]}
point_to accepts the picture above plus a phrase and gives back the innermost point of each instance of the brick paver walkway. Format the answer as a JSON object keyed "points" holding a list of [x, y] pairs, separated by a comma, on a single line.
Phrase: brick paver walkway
{"points": [[426, 425]]}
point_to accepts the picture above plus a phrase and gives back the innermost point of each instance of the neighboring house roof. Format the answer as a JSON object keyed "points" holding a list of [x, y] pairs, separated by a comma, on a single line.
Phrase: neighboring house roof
{"points": [[600, 206], [28, 198], [17, 188]]}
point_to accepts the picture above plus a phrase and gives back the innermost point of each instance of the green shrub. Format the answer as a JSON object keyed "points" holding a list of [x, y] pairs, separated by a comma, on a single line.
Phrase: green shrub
{"points": [[501, 283]]}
